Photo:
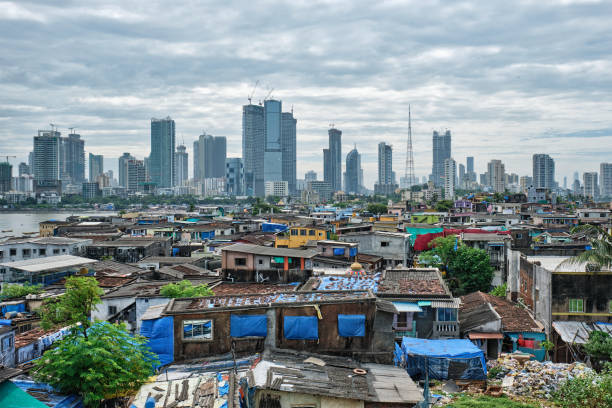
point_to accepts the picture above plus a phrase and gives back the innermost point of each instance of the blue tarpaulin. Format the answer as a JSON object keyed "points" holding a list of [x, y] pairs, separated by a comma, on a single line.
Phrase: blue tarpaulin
{"points": [[301, 327], [351, 325], [272, 227], [248, 325], [459, 357], [353, 252], [160, 333], [5, 322], [19, 307], [338, 251]]}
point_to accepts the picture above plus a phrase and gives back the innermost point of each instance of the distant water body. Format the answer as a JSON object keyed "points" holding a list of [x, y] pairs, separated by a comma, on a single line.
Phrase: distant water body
{"points": [[17, 223]]}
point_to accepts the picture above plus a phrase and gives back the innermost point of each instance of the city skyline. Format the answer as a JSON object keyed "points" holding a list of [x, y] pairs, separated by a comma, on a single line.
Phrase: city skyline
{"points": [[545, 85]]}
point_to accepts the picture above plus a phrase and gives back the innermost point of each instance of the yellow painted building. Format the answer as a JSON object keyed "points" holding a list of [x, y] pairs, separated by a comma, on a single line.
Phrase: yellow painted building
{"points": [[298, 236]]}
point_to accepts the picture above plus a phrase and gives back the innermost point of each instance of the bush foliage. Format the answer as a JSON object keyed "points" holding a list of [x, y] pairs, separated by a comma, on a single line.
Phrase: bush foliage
{"points": [[185, 289], [12, 291]]}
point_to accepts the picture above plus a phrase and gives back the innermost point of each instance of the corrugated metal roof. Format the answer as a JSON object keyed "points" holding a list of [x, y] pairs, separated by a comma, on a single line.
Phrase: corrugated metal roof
{"points": [[269, 251], [405, 307], [578, 332], [50, 262]]}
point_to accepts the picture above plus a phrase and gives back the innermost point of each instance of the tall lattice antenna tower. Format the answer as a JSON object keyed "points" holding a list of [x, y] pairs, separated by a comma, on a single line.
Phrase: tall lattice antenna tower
{"points": [[409, 171]]}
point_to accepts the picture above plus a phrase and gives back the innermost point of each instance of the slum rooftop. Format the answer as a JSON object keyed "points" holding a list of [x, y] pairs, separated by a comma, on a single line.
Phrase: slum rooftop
{"points": [[150, 288], [48, 263], [331, 376], [557, 264], [412, 282], [269, 251], [214, 303], [513, 317], [43, 240]]}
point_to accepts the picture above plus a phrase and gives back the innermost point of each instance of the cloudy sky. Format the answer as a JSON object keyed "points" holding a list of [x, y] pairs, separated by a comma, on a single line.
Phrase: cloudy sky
{"points": [[508, 78]]}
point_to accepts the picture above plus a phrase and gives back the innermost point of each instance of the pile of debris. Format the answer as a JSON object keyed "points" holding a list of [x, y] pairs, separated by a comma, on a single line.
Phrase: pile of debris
{"points": [[533, 378]]}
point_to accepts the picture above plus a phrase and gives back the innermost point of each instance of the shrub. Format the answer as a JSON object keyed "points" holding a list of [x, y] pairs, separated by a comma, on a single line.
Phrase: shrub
{"points": [[185, 289], [12, 291], [589, 391]]}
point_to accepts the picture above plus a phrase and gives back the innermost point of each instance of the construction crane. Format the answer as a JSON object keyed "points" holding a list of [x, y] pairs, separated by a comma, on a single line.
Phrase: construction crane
{"points": [[71, 130], [53, 127], [268, 95], [7, 157], [253, 92]]}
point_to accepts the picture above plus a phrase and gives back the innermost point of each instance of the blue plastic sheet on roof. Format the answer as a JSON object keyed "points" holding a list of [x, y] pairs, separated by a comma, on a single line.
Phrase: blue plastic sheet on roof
{"points": [[272, 227], [160, 335], [439, 355], [5, 322], [351, 325], [301, 327], [175, 251], [248, 325], [349, 282], [19, 307]]}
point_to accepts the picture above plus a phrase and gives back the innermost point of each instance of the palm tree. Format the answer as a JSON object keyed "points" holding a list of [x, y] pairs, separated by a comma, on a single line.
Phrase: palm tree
{"points": [[600, 252]]}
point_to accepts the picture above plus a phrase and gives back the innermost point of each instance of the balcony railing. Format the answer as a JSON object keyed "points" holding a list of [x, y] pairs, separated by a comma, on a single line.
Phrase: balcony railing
{"points": [[445, 329]]}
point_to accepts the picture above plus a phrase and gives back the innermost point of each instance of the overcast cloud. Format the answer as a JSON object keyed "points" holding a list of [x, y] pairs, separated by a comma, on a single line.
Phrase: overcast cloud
{"points": [[508, 78]]}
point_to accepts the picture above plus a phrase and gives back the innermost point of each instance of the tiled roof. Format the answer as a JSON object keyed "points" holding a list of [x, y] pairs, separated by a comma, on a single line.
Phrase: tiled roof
{"points": [[226, 288], [413, 282], [514, 318]]}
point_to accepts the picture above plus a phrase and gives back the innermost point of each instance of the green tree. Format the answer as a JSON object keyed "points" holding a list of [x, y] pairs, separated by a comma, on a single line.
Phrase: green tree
{"points": [[377, 208], [467, 269], [108, 363], [444, 205], [74, 306], [499, 291], [599, 348], [12, 291], [600, 254], [185, 289]]}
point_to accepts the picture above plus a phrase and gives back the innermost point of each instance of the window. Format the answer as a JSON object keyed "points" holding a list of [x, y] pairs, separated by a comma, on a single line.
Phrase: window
{"points": [[112, 310], [55, 251], [261, 262], [25, 252], [384, 244], [12, 252], [1, 254], [63, 249], [197, 330], [576, 306], [42, 252], [240, 261], [311, 232], [519, 236], [446, 314], [294, 232], [303, 232]]}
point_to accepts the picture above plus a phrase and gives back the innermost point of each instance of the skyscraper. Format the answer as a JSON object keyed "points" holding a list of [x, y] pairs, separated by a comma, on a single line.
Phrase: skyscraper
{"points": [[135, 175], [47, 156], [273, 156], [123, 168], [333, 161], [253, 148], [441, 151], [461, 174], [385, 163], [72, 158], [6, 176], [162, 164], [310, 176], [288, 148], [470, 164], [543, 171], [208, 152], [591, 189], [450, 175], [182, 165], [96, 166], [24, 169], [605, 176], [353, 172], [496, 176], [234, 176]]}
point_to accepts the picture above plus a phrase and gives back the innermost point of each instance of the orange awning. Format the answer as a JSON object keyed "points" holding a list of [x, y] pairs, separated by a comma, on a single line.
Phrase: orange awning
{"points": [[482, 336]]}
